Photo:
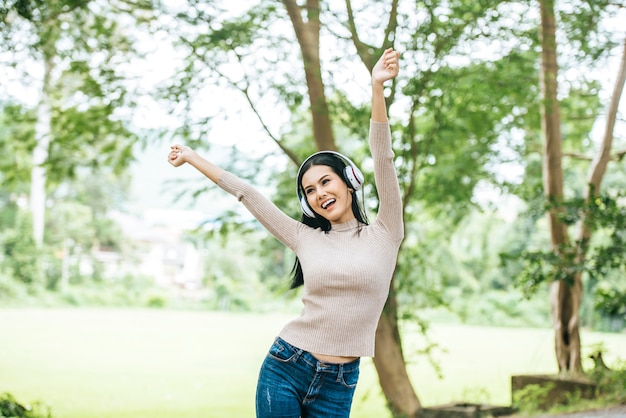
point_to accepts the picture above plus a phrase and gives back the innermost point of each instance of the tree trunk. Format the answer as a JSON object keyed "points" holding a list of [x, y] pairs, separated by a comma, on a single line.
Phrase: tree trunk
{"points": [[393, 377], [40, 155], [565, 298], [308, 34], [565, 301], [390, 366]]}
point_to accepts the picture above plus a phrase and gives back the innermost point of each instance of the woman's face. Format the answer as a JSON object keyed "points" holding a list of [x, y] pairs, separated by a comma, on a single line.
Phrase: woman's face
{"points": [[327, 194]]}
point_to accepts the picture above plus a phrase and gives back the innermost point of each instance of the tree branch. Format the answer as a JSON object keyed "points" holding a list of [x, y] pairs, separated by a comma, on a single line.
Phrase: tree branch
{"points": [[363, 50], [601, 160], [615, 156], [369, 54], [392, 25], [245, 91]]}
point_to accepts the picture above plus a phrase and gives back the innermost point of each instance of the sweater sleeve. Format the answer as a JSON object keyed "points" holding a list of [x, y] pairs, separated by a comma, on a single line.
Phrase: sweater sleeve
{"points": [[386, 178], [279, 224]]}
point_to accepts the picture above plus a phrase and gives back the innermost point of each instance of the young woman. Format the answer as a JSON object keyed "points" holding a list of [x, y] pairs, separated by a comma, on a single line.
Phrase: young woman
{"points": [[344, 263]]}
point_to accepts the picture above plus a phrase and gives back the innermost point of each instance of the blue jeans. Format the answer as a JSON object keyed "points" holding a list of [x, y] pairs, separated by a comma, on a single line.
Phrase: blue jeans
{"points": [[293, 383]]}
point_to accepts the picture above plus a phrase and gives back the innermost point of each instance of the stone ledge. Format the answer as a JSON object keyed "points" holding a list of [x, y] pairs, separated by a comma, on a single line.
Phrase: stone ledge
{"points": [[558, 388], [465, 410]]}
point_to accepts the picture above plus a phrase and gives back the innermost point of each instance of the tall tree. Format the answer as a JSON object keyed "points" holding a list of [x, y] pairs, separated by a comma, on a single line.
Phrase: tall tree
{"points": [[389, 360], [566, 292], [565, 299], [448, 137]]}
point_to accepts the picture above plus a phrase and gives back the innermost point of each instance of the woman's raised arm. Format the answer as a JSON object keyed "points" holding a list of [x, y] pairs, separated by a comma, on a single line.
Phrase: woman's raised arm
{"points": [[181, 154], [385, 69]]}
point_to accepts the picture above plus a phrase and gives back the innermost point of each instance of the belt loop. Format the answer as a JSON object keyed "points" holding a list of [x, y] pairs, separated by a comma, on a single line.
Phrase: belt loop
{"points": [[299, 352], [340, 374]]}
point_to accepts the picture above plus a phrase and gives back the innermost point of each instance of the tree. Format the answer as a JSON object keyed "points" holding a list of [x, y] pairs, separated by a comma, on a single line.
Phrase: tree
{"points": [[76, 47], [447, 140], [566, 291]]}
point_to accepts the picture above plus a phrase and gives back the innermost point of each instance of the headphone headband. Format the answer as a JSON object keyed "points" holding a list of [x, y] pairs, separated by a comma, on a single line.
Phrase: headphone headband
{"points": [[351, 172]]}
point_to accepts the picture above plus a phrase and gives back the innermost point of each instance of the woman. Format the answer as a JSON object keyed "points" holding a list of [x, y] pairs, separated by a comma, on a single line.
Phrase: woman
{"points": [[344, 263]]}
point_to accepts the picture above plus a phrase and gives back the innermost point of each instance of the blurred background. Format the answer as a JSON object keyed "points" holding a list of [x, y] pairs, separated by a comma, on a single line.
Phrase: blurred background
{"points": [[509, 135]]}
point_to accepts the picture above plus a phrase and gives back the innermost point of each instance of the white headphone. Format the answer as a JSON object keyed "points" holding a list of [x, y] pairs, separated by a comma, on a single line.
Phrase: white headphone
{"points": [[351, 173]]}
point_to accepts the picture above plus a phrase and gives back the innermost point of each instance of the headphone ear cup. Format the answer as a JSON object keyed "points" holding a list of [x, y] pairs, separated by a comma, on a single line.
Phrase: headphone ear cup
{"points": [[304, 205], [354, 177]]}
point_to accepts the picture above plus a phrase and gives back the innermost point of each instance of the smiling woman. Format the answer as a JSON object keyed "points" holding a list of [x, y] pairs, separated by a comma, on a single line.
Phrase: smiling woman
{"points": [[341, 259]]}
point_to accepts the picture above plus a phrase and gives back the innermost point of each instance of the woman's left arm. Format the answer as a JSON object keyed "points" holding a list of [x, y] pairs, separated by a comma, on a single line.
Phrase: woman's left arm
{"points": [[385, 69], [390, 208]]}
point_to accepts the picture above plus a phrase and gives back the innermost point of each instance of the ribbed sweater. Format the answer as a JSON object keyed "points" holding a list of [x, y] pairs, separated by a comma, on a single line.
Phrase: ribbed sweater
{"points": [[347, 270]]}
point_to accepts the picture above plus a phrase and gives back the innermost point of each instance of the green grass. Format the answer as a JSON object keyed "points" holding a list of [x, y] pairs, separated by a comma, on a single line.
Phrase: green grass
{"points": [[105, 363]]}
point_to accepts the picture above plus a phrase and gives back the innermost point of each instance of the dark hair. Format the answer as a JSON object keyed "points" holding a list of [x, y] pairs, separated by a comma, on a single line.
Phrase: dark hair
{"points": [[338, 166]]}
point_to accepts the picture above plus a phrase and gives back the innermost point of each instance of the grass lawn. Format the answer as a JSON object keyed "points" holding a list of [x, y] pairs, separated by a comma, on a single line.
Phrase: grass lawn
{"points": [[122, 363]]}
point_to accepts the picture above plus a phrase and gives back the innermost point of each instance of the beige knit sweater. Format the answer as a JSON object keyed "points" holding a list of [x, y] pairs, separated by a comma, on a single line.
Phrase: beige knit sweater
{"points": [[347, 270]]}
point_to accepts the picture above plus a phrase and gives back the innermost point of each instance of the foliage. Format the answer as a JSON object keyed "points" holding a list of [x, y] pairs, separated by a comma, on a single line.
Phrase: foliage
{"points": [[77, 222], [86, 91], [11, 408], [454, 111], [19, 256], [458, 114], [610, 390], [126, 291], [17, 137], [611, 383], [532, 398], [606, 215]]}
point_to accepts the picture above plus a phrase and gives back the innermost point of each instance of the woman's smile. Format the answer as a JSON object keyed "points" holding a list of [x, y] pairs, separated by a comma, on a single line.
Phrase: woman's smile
{"points": [[327, 203]]}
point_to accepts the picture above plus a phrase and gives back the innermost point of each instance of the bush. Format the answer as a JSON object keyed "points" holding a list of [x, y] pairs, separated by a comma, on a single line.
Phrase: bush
{"points": [[532, 398], [610, 391], [611, 383], [10, 408], [155, 301]]}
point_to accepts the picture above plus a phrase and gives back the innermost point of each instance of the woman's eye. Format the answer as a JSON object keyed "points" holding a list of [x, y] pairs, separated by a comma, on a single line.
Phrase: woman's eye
{"points": [[325, 181], [308, 191]]}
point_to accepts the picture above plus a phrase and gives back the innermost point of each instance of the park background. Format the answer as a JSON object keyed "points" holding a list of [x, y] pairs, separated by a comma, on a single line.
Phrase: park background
{"points": [[130, 287]]}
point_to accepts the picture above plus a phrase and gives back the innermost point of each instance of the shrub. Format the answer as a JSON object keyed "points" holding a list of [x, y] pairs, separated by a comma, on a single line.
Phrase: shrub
{"points": [[10, 408], [532, 398], [611, 383]]}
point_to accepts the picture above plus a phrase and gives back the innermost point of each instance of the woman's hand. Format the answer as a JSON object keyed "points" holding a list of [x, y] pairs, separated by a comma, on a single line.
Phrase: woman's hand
{"points": [[387, 66], [178, 155], [181, 154]]}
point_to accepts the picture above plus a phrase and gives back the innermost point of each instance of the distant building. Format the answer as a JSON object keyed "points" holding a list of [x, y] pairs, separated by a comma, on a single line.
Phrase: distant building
{"points": [[156, 248]]}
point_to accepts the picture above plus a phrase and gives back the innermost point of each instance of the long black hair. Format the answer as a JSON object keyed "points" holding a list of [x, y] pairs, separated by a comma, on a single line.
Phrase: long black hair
{"points": [[338, 166]]}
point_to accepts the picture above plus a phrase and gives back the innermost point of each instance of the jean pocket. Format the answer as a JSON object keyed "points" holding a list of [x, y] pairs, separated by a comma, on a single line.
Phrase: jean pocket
{"points": [[281, 351], [351, 378]]}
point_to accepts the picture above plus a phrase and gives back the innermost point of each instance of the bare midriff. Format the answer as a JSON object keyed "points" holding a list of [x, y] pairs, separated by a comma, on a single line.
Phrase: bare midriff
{"points": [[333, 359]]}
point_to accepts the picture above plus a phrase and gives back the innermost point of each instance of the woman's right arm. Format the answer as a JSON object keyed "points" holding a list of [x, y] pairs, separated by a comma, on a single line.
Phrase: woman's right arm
{"points": [[279, 224], [181, 154]]}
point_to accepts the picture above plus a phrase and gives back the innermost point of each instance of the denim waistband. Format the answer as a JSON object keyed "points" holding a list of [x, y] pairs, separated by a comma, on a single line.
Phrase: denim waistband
{"points": [[312, 361]]}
